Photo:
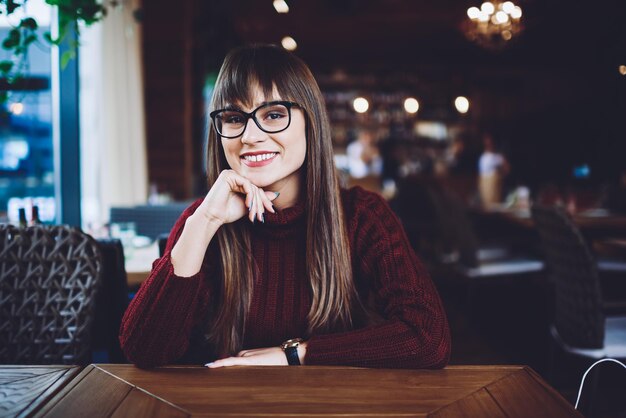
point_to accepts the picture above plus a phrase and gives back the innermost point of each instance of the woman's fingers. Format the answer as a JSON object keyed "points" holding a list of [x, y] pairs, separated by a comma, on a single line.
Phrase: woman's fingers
{"points": [[227, 362], [268, 197], [270, 356], [259, 205], [256, 200]]}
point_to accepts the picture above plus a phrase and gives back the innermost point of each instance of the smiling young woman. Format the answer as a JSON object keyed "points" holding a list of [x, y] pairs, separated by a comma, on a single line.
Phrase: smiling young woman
{"points": [[274, 264]]}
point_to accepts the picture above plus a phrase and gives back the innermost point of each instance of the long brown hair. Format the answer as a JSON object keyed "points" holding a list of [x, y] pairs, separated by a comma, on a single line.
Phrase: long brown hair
{"points": [[327, 250]]}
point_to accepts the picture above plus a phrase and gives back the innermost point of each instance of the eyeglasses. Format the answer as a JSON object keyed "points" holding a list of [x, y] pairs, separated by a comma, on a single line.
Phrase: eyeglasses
{"points": [[271, 117]]}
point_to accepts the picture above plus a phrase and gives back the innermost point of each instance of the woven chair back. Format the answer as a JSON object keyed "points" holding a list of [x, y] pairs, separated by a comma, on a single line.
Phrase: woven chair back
{"points": [[48, 282], [578, 306], [455, 226]]}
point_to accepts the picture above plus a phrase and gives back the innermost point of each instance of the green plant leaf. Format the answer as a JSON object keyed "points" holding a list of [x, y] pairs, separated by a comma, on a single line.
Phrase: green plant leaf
{"points": [[15, 35], [66, 57], [6, 66], [11, 6], [29, 23], [29, 39], [19, 39], [8, 44]]}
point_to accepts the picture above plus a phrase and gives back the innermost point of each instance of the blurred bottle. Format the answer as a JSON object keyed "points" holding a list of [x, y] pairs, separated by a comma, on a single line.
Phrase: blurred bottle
{"points": [[34, 215], [22, 218], [153, 194]]}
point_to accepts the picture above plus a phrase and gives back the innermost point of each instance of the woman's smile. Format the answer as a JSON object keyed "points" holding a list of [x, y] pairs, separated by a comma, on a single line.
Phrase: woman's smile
{"points": [[258, 158]]}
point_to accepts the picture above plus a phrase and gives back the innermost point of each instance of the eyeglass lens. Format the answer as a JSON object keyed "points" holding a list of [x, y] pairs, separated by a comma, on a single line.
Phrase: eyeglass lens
{"points": [[270, 118]]}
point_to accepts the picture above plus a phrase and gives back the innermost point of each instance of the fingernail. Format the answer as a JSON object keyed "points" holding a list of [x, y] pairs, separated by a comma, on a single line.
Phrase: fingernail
{"points": [[263, 218], [277, 194], [208, 364]]}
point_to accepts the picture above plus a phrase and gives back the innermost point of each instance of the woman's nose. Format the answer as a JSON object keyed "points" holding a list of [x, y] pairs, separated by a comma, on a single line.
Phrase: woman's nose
{"points": [[252, 133]]}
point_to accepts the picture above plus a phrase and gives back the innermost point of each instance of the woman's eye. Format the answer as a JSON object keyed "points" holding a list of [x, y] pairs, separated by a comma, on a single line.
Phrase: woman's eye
{"points": [[275, 115], [234, 119]]}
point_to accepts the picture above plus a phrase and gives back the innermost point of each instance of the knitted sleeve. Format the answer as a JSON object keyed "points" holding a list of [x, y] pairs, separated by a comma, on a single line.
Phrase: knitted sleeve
{"points": [[157, 325], [414, 332]]}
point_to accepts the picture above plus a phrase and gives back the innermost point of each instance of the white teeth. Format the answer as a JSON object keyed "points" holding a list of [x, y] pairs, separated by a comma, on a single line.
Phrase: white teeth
{"points": [[260, 157]]}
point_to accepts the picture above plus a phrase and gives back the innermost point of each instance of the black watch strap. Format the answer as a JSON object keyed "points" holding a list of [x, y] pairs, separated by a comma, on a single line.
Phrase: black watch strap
{"points": [[292, 356]]}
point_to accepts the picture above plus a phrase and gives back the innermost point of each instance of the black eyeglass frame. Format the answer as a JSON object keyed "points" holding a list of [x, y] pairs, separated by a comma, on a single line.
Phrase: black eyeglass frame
{"points": [[252, 115]]}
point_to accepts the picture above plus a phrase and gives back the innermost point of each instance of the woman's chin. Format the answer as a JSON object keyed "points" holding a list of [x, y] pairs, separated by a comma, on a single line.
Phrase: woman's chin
{"points": [[260, 182]]}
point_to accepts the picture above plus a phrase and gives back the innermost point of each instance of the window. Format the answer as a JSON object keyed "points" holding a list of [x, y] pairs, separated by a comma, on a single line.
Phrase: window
{"points": [[26, 145]]}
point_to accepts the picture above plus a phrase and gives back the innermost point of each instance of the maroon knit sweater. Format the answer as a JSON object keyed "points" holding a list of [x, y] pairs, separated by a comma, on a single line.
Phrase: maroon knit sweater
{"points": [[166, 321]]}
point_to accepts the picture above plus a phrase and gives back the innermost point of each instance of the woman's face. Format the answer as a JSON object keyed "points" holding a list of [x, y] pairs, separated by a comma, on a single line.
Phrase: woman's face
{"points": [[271, 161]]}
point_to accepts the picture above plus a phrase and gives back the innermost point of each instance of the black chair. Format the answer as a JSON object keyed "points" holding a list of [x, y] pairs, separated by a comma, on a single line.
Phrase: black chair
{"points": [[464, 251], [581, 326], [111, 303], [162, 241], [49, 278]]}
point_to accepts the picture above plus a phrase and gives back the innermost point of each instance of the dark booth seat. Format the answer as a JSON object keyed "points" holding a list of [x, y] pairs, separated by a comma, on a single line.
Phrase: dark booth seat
{"points": [[150, 220], [111, 303]]}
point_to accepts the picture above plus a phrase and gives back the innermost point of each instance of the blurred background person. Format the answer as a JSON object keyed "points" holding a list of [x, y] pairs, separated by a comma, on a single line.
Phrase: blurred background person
{"points": [[492, 168], [363, 156]]}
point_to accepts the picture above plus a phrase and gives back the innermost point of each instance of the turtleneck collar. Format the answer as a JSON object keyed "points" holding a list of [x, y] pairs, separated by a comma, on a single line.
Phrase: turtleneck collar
{"points": [[284, 222]]}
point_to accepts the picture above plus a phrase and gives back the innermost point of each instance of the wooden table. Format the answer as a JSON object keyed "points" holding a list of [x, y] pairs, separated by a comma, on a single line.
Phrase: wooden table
{"points": [[592, 223], [24, 389], [139, 263], [185, 391], [612, 247]]}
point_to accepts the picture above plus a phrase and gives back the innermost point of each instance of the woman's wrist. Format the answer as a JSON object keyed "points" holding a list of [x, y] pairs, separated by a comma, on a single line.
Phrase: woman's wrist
{"points": [[188, 252], [302, 351], [205, 220]]}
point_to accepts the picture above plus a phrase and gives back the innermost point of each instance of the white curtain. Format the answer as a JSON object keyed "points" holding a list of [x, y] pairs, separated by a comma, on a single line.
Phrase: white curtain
{"points": [[113, 143]]}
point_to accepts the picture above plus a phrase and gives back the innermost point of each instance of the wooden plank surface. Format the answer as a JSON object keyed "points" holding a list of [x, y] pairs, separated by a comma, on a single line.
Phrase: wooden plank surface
{"points": [[519, 393], [94, 393], [191, 391], [478, 404], [141, 404], [311, 391], [23, 389]]}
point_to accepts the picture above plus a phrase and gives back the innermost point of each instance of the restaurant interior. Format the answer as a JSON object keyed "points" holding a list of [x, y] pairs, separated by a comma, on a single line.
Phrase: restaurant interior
{"points": [[495, 131]]}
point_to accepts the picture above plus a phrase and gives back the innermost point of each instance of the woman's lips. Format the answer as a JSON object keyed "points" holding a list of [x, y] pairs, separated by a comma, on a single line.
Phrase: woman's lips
{"points": [[258, 159]]}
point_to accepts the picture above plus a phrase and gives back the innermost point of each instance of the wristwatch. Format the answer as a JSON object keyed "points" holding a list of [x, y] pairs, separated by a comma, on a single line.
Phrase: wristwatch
{"points": [[290, 347]]}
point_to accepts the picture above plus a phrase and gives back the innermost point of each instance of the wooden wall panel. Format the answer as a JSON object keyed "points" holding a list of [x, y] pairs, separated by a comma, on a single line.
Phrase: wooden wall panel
{"points": [[168, 73]]}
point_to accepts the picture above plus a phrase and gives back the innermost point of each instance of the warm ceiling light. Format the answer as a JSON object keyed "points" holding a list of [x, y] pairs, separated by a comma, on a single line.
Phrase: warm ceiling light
{"points": [[411, 105], [516, 13], [487, 7], [462, 104], [473, 13], [289, 43], [360, 104], [494, 24], [502, 17], [507, 7], [622, 69], [281, 6]]}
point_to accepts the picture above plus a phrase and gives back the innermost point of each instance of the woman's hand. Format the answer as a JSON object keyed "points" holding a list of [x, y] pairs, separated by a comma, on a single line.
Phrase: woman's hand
{"points": [[272, 356], [233, 197]]}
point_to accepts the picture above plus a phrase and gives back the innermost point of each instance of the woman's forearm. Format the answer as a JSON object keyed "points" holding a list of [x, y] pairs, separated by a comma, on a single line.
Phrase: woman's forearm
{"points": [[188, 253]]}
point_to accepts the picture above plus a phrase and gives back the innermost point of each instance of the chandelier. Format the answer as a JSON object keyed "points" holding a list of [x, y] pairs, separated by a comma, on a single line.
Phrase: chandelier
{"points": [[494, 24]]}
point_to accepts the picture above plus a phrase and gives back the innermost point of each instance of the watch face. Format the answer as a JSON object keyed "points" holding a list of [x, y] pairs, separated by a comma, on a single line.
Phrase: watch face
{"points": [[291, 343]]}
